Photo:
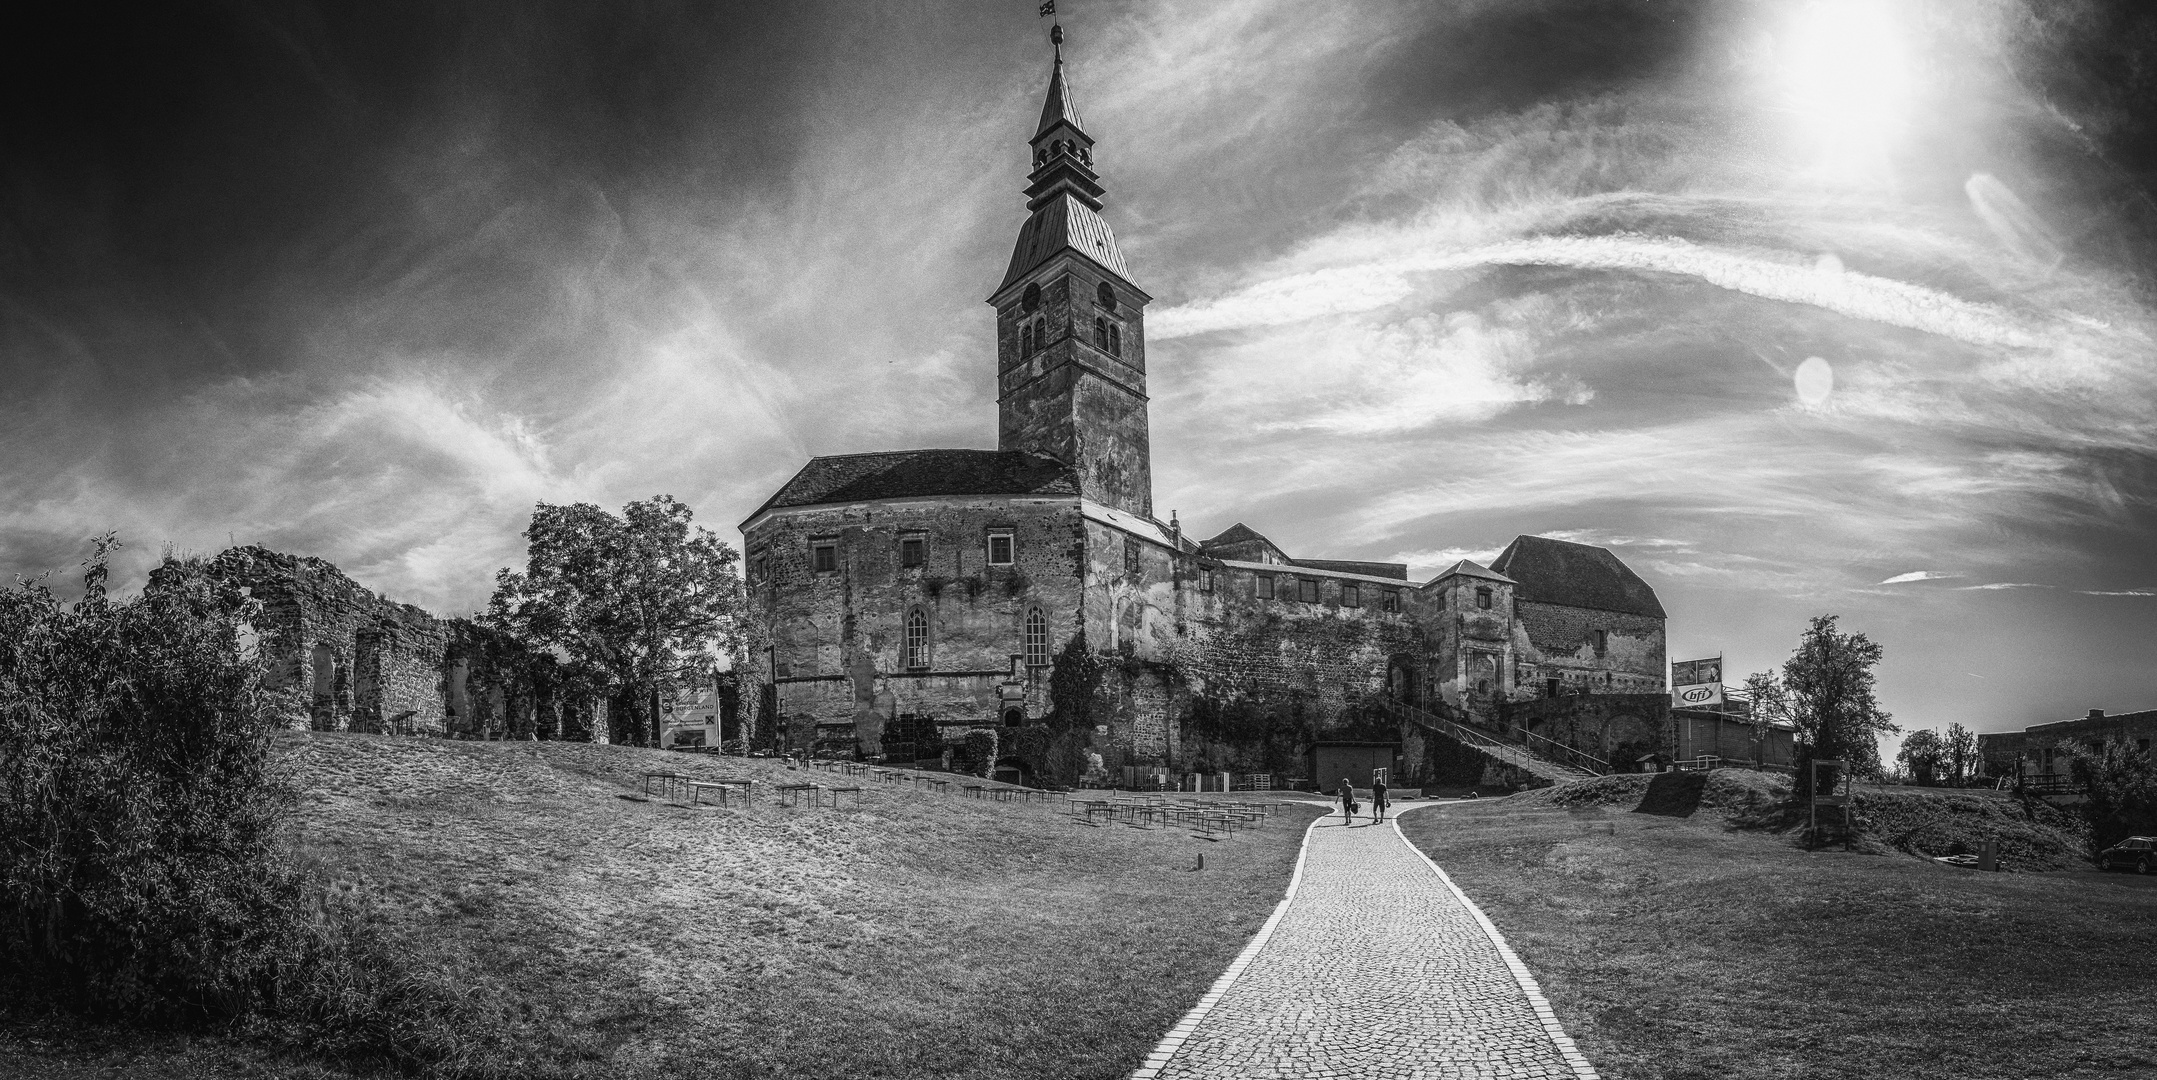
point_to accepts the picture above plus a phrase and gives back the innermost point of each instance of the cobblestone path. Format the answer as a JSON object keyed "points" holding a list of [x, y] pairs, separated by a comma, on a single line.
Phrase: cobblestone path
{"points": [[1374, 970]]}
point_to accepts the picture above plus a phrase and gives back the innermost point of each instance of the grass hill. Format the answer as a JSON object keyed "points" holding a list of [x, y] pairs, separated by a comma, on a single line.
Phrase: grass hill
{"points": [[589, 933], [1682, 933]]}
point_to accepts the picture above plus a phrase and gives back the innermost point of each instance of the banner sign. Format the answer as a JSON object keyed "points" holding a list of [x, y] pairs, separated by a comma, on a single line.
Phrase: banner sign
{"points": [[1696, 683]]}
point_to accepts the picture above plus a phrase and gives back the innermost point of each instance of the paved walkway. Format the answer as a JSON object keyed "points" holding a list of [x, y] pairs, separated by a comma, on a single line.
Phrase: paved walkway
{"points": [[1374, 968]]}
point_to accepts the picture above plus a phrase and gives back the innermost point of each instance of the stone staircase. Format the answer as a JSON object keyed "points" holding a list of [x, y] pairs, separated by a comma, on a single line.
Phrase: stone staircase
{"points": [[1543, 762]]}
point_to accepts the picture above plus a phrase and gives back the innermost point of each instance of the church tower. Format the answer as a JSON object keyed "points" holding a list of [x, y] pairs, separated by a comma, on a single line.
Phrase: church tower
{"points": [[1070, 324]]}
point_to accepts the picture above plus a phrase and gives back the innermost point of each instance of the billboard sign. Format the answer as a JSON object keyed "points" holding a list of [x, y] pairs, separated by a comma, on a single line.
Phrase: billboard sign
{"points": [[1696, 683]]}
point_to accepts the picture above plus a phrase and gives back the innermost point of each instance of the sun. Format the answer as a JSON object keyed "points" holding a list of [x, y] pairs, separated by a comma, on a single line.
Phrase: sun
{"points": [[1844, 75]]}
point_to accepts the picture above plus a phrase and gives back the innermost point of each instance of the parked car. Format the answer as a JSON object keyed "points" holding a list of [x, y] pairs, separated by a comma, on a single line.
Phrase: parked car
{"points": [[2136, 853]]}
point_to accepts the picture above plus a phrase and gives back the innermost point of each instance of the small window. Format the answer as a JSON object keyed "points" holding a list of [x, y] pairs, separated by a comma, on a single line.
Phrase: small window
{"points": [[1000, 549], [912, 550], [1130, 556], [917, 639], [1265, 586], [1115, 341], [1106, 295], [1441, 599], [1602, 642], [1026, 340], [1351, 595], [1482, 597], [760, 573], [1393, 599], [825, 558], [1030, 300], [1100, 334], [1037, 639], [1307, 590], [1041, 334], [1205, 580]]}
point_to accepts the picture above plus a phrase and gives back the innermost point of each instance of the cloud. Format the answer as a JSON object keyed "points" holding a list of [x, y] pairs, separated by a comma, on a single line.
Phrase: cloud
{"points": [[2001, 585], [1917, 575], [1432, 560], [2120, 592]]}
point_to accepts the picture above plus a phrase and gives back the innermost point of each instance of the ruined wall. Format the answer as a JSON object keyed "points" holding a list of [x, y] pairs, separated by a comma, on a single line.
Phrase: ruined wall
{"points": [[1618, 728], [839, 636], [1562, 640], [1471, 666]]}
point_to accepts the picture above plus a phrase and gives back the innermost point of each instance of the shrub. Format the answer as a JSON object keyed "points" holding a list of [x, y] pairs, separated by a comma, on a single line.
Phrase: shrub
{"points": [[981, 750], [2119, 783]]}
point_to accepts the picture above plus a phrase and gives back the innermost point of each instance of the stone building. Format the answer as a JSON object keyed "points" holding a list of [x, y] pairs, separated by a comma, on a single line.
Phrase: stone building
{"points": [[349, 660], [936, 591], [2037, 756]]}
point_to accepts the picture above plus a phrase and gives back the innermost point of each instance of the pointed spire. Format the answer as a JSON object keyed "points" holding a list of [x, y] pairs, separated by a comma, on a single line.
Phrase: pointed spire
{"points": [[1058, 108]]}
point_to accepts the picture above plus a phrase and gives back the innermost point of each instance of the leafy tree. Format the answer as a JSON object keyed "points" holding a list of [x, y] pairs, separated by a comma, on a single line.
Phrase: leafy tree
{"points": [[1922, 753], [1959, 748], [641, 599], [1825, 690], [2119, 785]]}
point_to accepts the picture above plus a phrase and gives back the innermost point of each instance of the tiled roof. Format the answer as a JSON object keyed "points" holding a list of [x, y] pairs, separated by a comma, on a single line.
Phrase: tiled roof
{"points": [[902, 474], [1578, 575], [1064, 222], [1470, 568], [1059, 107], [1349, 566], [1239, 533]]}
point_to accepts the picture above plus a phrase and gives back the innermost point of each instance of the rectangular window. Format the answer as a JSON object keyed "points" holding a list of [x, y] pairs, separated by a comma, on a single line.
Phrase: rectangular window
{"points": [[1265, 586], [1393, 599], [913, 550], [1307, 590], [1482, 598], [1130, 555], [1205, 580], [999, 549], [761, 573], [1351, 596], [825, 558], [1602, 642], [1037, 639]]}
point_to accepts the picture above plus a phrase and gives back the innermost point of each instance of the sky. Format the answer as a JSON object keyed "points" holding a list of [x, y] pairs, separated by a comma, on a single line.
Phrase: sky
{"points": [[1800, 307]]}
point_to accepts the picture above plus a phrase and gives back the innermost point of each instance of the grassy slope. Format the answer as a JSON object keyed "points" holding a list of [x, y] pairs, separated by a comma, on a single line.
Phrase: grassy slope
{"points": [[907, 935], [1680, 947]]}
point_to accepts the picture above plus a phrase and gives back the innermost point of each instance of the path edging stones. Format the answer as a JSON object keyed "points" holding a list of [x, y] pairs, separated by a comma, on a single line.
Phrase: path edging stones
{"points": [[1173, 1041], [1582, 1069]]}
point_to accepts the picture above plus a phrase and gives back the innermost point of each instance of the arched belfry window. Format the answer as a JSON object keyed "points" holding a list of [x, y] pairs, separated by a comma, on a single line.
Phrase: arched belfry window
{"points": [[917, 640], [1106, 295], [1041, 333], [1100, 334], [1026, 340], [1030, 300], [1115, 341], [1037, 638]]}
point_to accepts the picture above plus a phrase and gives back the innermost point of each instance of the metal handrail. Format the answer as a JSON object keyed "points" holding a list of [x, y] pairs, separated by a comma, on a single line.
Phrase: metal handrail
{"points": [[1593, 764], [1511, 752]]}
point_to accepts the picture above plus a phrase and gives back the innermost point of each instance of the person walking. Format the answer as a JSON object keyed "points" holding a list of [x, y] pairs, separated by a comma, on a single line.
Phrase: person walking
{"points": [[1378, 799], [1348, 802]]}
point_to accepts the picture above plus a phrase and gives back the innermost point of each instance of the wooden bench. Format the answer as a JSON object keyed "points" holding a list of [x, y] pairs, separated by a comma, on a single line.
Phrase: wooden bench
{"points": [[976, 791], [668, 782], [697, 788]]}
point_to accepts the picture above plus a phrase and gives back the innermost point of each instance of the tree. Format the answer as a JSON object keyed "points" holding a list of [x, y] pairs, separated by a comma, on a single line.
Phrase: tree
{"points": [[1922, 752], [641, 599], [1959, 747], [2119, 787], [1826, 692]]}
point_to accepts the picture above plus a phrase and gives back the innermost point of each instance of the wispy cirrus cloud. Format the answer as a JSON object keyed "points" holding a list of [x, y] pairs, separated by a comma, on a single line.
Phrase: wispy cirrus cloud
{"points": [[1918, 575]]}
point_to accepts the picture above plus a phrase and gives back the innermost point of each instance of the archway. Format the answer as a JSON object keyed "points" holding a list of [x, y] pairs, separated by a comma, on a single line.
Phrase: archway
{"points": [[1011, 770]]}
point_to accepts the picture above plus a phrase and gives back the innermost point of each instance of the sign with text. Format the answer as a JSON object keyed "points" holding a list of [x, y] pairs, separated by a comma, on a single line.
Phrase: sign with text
{"points": [[1696, 683]]}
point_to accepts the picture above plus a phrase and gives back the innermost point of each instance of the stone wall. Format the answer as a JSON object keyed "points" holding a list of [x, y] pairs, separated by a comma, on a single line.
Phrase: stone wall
{"points": [[1618, 728], [1071, 399], [1562, 640]]}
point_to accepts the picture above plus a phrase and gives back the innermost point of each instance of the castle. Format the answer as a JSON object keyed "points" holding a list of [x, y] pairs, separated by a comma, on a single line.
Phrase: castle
{"points": [[914, 595]]}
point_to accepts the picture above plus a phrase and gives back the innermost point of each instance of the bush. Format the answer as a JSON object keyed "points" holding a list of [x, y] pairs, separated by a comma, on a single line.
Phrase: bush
{"points": [[142, 874], [981, 750], [2119, 783]]}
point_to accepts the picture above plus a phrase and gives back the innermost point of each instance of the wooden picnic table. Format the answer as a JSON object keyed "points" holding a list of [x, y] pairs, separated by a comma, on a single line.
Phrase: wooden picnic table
{"points": [[976, 791], [723, 787], [668, 780]]}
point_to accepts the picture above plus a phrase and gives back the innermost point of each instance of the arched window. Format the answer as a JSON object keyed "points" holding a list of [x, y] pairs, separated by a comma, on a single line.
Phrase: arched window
{"points": [[917, 640], [1106, 295], [1030, 300], [1037, 639], [1100, 334], [1041, 333], [1026, 340], [1115, 341]]}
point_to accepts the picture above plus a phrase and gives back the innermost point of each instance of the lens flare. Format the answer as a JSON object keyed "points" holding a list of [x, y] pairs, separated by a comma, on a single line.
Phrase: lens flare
{"points": [[1815, 381]]}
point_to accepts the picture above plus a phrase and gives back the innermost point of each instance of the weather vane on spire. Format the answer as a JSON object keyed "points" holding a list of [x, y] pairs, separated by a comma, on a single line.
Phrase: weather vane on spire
{"points": [[1056, 29]]}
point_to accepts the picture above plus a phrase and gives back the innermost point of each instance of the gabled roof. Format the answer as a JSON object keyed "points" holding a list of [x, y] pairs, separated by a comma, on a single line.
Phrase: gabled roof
{"points": [[1064, 222], [1058, 109], [903, 474], [1239, 533], [1578, 575], [1470, 568]]}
